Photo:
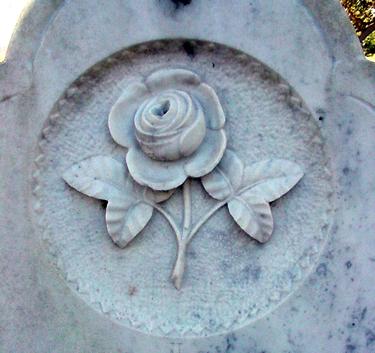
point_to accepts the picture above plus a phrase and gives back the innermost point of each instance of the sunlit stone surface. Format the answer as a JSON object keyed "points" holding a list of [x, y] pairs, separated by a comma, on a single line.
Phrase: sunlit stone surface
{"points": [[292, 276]]}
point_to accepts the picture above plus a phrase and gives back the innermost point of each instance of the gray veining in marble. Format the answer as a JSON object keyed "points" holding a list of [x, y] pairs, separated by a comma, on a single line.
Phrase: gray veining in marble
{"points": [[313, 48]]}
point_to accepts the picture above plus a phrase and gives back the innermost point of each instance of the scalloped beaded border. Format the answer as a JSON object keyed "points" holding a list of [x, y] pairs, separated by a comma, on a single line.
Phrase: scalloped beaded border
{"points": [[52, 125]]}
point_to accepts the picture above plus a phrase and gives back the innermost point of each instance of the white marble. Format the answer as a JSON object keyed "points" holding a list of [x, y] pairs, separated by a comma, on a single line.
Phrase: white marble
{"points": [[296, 88]]}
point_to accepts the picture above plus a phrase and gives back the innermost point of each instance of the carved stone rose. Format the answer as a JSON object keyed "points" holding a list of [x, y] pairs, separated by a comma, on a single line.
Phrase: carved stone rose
{"points": [[172, 124], [173, 127]]}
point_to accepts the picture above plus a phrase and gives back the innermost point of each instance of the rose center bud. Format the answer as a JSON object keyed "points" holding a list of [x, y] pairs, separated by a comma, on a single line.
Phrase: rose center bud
{"points": [[161, 109], [170, 125]]}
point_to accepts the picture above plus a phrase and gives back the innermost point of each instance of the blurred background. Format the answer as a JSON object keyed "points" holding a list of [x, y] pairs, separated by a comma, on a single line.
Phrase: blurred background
{"points": [[360, 12], [10, 11], [362, 16]]}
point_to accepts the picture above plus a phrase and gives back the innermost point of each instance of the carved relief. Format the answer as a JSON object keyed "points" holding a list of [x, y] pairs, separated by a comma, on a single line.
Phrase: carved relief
{"points": [[230, 279], [173, 127]]}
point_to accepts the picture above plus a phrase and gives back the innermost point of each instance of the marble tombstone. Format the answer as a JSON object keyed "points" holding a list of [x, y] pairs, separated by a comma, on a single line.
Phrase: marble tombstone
{"points": [[187, 177]]}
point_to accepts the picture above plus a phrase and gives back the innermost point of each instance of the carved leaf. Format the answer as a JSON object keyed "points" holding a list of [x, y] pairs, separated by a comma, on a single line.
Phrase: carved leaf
{"points": [[262, 183], [125, 220], [272, 178], [226, 178], [253, 215], [100, 177], [129, 206]]}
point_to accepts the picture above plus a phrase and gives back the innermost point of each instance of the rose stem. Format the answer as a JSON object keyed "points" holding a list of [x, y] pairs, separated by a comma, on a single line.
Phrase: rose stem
{"points": [[179, 267], [169, 218], [205, 218], [188, 233], [182, 242], [186, 189]]}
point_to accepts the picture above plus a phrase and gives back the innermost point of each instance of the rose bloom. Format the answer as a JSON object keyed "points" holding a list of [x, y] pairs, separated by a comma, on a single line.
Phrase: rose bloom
{"points": [[173, 127]]}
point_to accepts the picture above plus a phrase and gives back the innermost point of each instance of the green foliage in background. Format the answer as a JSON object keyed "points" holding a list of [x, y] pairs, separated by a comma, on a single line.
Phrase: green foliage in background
{"points": [[362, 15], [369, 45]]}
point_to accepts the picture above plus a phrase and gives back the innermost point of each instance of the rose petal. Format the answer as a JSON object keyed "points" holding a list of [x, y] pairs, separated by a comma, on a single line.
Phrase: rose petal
{"points": [[171, 78], [155, 174], [167, 149], [180, 111], [120, 121], [185, 109], [208, 155], [211, 105], [193, 135], [158, 196]]}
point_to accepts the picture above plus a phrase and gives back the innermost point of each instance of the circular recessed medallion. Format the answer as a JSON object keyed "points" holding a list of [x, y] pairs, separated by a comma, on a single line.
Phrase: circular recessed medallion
{"points": [[230, 279]]}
